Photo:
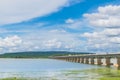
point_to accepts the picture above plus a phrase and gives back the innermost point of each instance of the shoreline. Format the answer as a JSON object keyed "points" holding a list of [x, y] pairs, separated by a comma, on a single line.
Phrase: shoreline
{"points": [[92, 74], [24, 58]]}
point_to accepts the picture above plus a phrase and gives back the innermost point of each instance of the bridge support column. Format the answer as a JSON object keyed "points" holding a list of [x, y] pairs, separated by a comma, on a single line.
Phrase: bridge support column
{"points": [[87, 60], [70, 60], [75, 59], [65, 59], [78, 60], [99, 61], [108, 61], [82, 60], [118, 62], [92, 61]]}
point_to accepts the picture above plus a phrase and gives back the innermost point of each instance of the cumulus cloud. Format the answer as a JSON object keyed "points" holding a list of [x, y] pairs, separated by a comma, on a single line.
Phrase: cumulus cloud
{"points": [[107, 16], [99, 41], [53, 43], [106, 36], [10, 41], [69, 21], [13, 11], [54, 39]]}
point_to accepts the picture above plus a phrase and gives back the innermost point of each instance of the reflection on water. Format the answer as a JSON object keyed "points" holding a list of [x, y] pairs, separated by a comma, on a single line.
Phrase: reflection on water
{"points": [[29, 65], [43, 68]]}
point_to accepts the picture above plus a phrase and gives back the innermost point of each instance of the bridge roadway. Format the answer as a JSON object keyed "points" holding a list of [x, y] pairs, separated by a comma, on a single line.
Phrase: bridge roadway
{"points": [[93, 59]]}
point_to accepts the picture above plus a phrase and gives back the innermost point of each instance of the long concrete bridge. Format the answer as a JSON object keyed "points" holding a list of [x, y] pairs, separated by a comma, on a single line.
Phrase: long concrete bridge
{"points": [[98, 59]]}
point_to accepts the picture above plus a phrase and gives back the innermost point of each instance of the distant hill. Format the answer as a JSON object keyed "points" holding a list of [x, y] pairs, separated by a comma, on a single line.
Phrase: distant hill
{"points": [[39, 54]]}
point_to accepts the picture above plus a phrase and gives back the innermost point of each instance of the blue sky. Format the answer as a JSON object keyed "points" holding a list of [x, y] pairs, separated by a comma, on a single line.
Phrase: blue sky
{"points": [[64, 25]]}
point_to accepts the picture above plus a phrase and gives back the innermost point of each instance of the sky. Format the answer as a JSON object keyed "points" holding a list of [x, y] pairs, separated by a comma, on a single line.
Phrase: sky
{"points": [[60, 25]]}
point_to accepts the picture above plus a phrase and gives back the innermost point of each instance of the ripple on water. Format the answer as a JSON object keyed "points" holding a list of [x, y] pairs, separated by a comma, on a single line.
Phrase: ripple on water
{"points": [[44, 69]]}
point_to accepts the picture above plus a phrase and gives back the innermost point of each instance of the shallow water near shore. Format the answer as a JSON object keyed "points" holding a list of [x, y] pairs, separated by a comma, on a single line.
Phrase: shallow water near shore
{"points": [[44, 69]]}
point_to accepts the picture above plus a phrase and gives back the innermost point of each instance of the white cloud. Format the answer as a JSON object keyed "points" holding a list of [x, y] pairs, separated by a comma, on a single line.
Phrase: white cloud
{"points": [[10, 41], [54, 43], [111, 32], [106, 40], [52, 40], [108, 16], [105, 37], [69, 21], [41, 40], [110, 10], [13, 11], [76, 24], [106, 34]]}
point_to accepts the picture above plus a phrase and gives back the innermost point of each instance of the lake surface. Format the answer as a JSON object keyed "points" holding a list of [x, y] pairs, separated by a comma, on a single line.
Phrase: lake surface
{"points": [[40, 68]]}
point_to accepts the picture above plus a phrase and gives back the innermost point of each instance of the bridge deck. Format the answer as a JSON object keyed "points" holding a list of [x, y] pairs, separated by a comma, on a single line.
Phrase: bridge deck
{"points": [[91, 56]]}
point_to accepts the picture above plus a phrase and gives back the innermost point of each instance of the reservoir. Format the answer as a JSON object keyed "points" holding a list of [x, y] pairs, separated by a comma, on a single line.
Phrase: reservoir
{"points": [[42, 69]]}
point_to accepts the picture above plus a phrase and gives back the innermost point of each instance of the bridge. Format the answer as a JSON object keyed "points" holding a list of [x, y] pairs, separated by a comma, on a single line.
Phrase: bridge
{"points": [[98, 59]]}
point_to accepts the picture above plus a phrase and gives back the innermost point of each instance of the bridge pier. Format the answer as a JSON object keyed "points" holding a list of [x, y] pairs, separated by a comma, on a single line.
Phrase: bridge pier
{"points": [[70, 59], [82, 60], [108, 61], [66, 59], [99, 61], [75, 59], [118, 62], [92, 61], [87, 60], [78, 60]]}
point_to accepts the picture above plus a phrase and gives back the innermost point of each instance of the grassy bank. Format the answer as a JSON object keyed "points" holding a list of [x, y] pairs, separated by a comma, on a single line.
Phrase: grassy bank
{"points": [[98, 74], [107, 73], [14, 78], [92, 74]]}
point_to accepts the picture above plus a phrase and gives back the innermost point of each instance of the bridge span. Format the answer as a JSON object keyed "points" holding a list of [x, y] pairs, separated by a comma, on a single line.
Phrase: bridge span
{"points": [[98, 59]]}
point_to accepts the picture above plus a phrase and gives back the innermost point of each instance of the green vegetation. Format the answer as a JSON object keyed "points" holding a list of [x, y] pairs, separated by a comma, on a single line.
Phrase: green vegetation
{"points": [[107, 73], [92, 74], [40, 54], [109, 78], [14, 78], [96, 74]]}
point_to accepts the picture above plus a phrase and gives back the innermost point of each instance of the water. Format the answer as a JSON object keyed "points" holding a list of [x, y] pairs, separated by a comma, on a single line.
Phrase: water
{"points": [[40, 68]]}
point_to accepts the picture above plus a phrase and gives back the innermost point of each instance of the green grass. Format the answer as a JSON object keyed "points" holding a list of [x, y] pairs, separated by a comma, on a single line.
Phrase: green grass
{"points": [[14, 78], [107, 73], [94, 74], [109, 78]]}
